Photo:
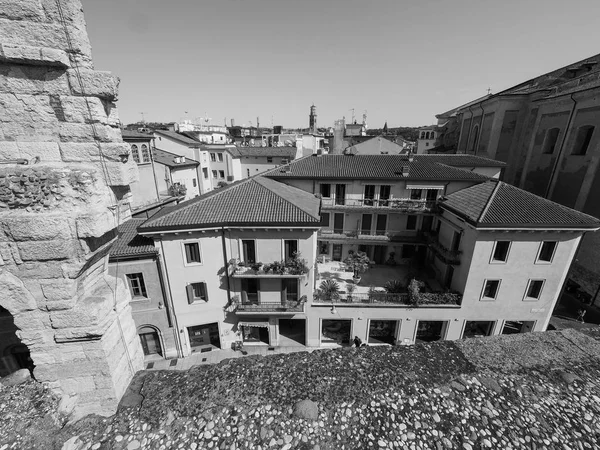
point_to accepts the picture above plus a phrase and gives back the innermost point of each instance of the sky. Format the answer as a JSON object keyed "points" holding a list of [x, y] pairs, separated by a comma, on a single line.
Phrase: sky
{"points": [[401, 61]]}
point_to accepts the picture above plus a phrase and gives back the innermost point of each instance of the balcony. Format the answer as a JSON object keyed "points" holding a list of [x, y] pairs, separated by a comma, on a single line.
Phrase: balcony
{"points": [[410, 237], [294, 268], [404, 205], [447, 255], [260, 307]]}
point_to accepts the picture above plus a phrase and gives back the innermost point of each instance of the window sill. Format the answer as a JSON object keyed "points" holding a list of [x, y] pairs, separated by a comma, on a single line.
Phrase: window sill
{"points": [[193, 264], [487, 299], [140, 299], [530, 299]]}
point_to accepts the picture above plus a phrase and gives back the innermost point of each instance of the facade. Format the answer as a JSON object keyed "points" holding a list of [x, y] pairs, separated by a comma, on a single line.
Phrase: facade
{"points": [[145, 190], [427, 139], [175, 175], [547, 131], [376, 145], [250, 161], [134, 260], [452, 253]]}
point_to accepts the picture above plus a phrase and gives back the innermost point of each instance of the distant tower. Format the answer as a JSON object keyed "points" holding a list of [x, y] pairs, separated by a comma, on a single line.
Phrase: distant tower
{"points": [[312, 119]]}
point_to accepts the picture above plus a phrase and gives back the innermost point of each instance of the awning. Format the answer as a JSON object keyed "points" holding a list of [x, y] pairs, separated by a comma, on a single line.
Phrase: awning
{"points": [[254, 324], [425, 186]]}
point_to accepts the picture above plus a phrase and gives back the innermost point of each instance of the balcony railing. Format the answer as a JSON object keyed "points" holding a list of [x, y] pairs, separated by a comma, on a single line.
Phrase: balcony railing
{"points": [[289, 306], [372, 235], [397, 204], [383, 298], [447, 255], [293, 268]]}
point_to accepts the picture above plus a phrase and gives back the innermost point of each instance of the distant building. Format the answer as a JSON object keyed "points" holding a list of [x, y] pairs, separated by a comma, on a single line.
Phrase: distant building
{"points": [[312, 119], [250, 161], [376, 145], [427, 139]]}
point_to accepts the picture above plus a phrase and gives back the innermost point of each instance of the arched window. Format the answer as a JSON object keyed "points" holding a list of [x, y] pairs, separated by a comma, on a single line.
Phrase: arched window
{"points": [[432, 135], [550, 141], [427, 135], [150, 340], [474, 138], [145, 154], [582, 142], [135, 153]]}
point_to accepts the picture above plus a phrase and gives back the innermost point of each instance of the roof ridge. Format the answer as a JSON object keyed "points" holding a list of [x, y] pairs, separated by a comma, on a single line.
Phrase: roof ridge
{"points": [[490, 200], [283, 186]]}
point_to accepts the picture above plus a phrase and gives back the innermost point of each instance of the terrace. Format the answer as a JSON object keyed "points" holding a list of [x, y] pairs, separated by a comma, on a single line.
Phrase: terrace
{"points": [[371, 291], [370, 235], [405, 205]]}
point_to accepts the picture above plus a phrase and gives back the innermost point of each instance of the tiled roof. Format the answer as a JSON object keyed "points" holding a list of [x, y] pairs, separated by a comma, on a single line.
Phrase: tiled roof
{"points": [[253, 201], [386, 167], [458, 160], [130, 243], [496, 204], [178, 137], [284, 152], [130, 134], [168, 159]]}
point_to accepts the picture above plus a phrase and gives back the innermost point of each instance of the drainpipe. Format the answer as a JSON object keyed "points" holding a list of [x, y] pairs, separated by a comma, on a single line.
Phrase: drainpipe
{"points": [[560, 150], [169, 298]]}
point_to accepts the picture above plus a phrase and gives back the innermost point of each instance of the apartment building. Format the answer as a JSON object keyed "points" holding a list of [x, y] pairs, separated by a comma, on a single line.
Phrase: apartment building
{"points": [[250, 161], [451, 251]]}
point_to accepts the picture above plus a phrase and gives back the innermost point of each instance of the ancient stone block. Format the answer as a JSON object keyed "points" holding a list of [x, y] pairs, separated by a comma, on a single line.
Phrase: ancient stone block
{"points": [[62, 289], [32, 227], [94, 83], [96, 224], [79, 132], [35, 80], [21, 10], [14, 296], [25, 54], [83, 110], [34, 269], [88, 312], [78, 384], [121, 174], [94, 152], [19, 377], [48, 250]]}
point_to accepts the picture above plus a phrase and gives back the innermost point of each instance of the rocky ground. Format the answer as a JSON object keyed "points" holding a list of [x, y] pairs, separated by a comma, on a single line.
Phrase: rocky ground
{"points": [[534, 391]]}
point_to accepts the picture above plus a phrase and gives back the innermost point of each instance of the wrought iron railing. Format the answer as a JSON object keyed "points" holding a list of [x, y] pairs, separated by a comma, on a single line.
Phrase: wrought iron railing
{"points": [[389, 235], [383, 298], [447, 255], [400, 204], [281, 306]]}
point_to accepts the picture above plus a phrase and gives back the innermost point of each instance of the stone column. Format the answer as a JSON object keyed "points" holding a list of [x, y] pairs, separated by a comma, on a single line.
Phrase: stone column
{"points": [[64, 189]]}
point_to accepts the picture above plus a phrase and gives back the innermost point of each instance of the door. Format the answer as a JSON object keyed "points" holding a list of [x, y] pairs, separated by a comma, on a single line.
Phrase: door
{"points": [[381, 224], [289, 290], [379, 254], [340, 194], [427, 223], [337, 252], [369, 194], [250, 288], [384, 195], [365, 227], [249, 250], [290, 248], [338, 223], [150, 343]]}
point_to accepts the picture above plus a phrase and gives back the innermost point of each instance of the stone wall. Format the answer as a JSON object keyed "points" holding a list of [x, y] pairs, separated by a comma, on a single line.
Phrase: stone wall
{"points": [[64, 189]]}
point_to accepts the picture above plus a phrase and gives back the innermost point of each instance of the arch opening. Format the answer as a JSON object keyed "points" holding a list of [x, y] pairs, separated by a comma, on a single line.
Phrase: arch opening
{"points": [[14, 355]]}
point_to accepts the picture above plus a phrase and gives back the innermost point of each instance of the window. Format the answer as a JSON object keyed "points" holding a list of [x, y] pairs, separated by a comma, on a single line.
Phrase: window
{"points": [[456, 241], [289, 289], [415, 194], [197, 292], [214, 174], [547, 251], [194, 182], [290, 248], [550, 141], [192, 253], [490, 289], [582, 142], [145, 154], [325, 219], [137, 285], [384, 194], [323, 247], [270, 159], [221, 174], [213, 157], [249, 250], [205, 173], [369, 194], [285, 161], [220, 157], [431, 195], [340, 194], [326, 190], [135, 153], [247, 172], [534, 289], [501, 251], [411, 222]]}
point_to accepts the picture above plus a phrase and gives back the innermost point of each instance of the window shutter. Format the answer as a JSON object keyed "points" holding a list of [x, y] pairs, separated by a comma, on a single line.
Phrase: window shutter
{"points": [[204, 291], [190, 293]]}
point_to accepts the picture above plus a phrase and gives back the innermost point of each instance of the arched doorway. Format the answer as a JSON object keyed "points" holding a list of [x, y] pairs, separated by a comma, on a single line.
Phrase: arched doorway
{"points": [[14, 355], [151, 341]]}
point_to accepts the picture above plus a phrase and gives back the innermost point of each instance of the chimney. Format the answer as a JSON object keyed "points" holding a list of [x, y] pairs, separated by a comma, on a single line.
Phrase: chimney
{"points": [[405, 171]]}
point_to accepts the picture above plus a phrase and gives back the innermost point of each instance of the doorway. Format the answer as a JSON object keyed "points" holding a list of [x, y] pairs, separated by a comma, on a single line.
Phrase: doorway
{"points": [[335, 331], [337, 252], [255, 332], [379, 254], [338, 223], [250, 289], [430, 330], [204, 337], [382, 331], [150, 341], [365, 227], [292, 332]]}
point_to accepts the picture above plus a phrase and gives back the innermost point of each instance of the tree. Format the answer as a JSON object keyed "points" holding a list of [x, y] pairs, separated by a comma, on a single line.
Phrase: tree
{"points": [[359, 262]]}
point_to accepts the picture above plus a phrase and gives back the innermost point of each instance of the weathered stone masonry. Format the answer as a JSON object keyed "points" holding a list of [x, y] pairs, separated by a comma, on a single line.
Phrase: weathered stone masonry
{"points": [[59, 212]]}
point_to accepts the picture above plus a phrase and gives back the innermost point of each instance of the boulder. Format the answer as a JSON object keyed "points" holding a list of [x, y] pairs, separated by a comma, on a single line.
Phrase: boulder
{"points": [[16, 378], [306, 409]]}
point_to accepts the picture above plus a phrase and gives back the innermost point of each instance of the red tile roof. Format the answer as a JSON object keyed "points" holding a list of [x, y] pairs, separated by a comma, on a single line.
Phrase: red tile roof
{"points": [[130, 244], [168, 159], [178, 137], [285, 152], [253, 201], [496, 204], [386, 167]]}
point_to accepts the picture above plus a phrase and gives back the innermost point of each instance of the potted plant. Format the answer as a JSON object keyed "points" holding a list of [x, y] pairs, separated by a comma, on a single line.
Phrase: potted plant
{"points": [[329, 290], [278, 267], [350, 288], [267, 267], [394, 287], [359, 263], [256, 266], [296, 265]]}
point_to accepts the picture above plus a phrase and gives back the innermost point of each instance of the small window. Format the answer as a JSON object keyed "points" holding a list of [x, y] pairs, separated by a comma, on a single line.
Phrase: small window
{"points": [[582, 142], [534, 289], [501, 251], [325, 219], [547, 251], [415, 194], [192, 253], [137, 285], [490, 289], [213, 157], [220, 157], [205, 173], [285, 161], [135, 153], [411, 222], [221, 174], [550, 141], [247, 172], [214, 174], [197, 292], [145, 154], [270, 159], [326, 190]]}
